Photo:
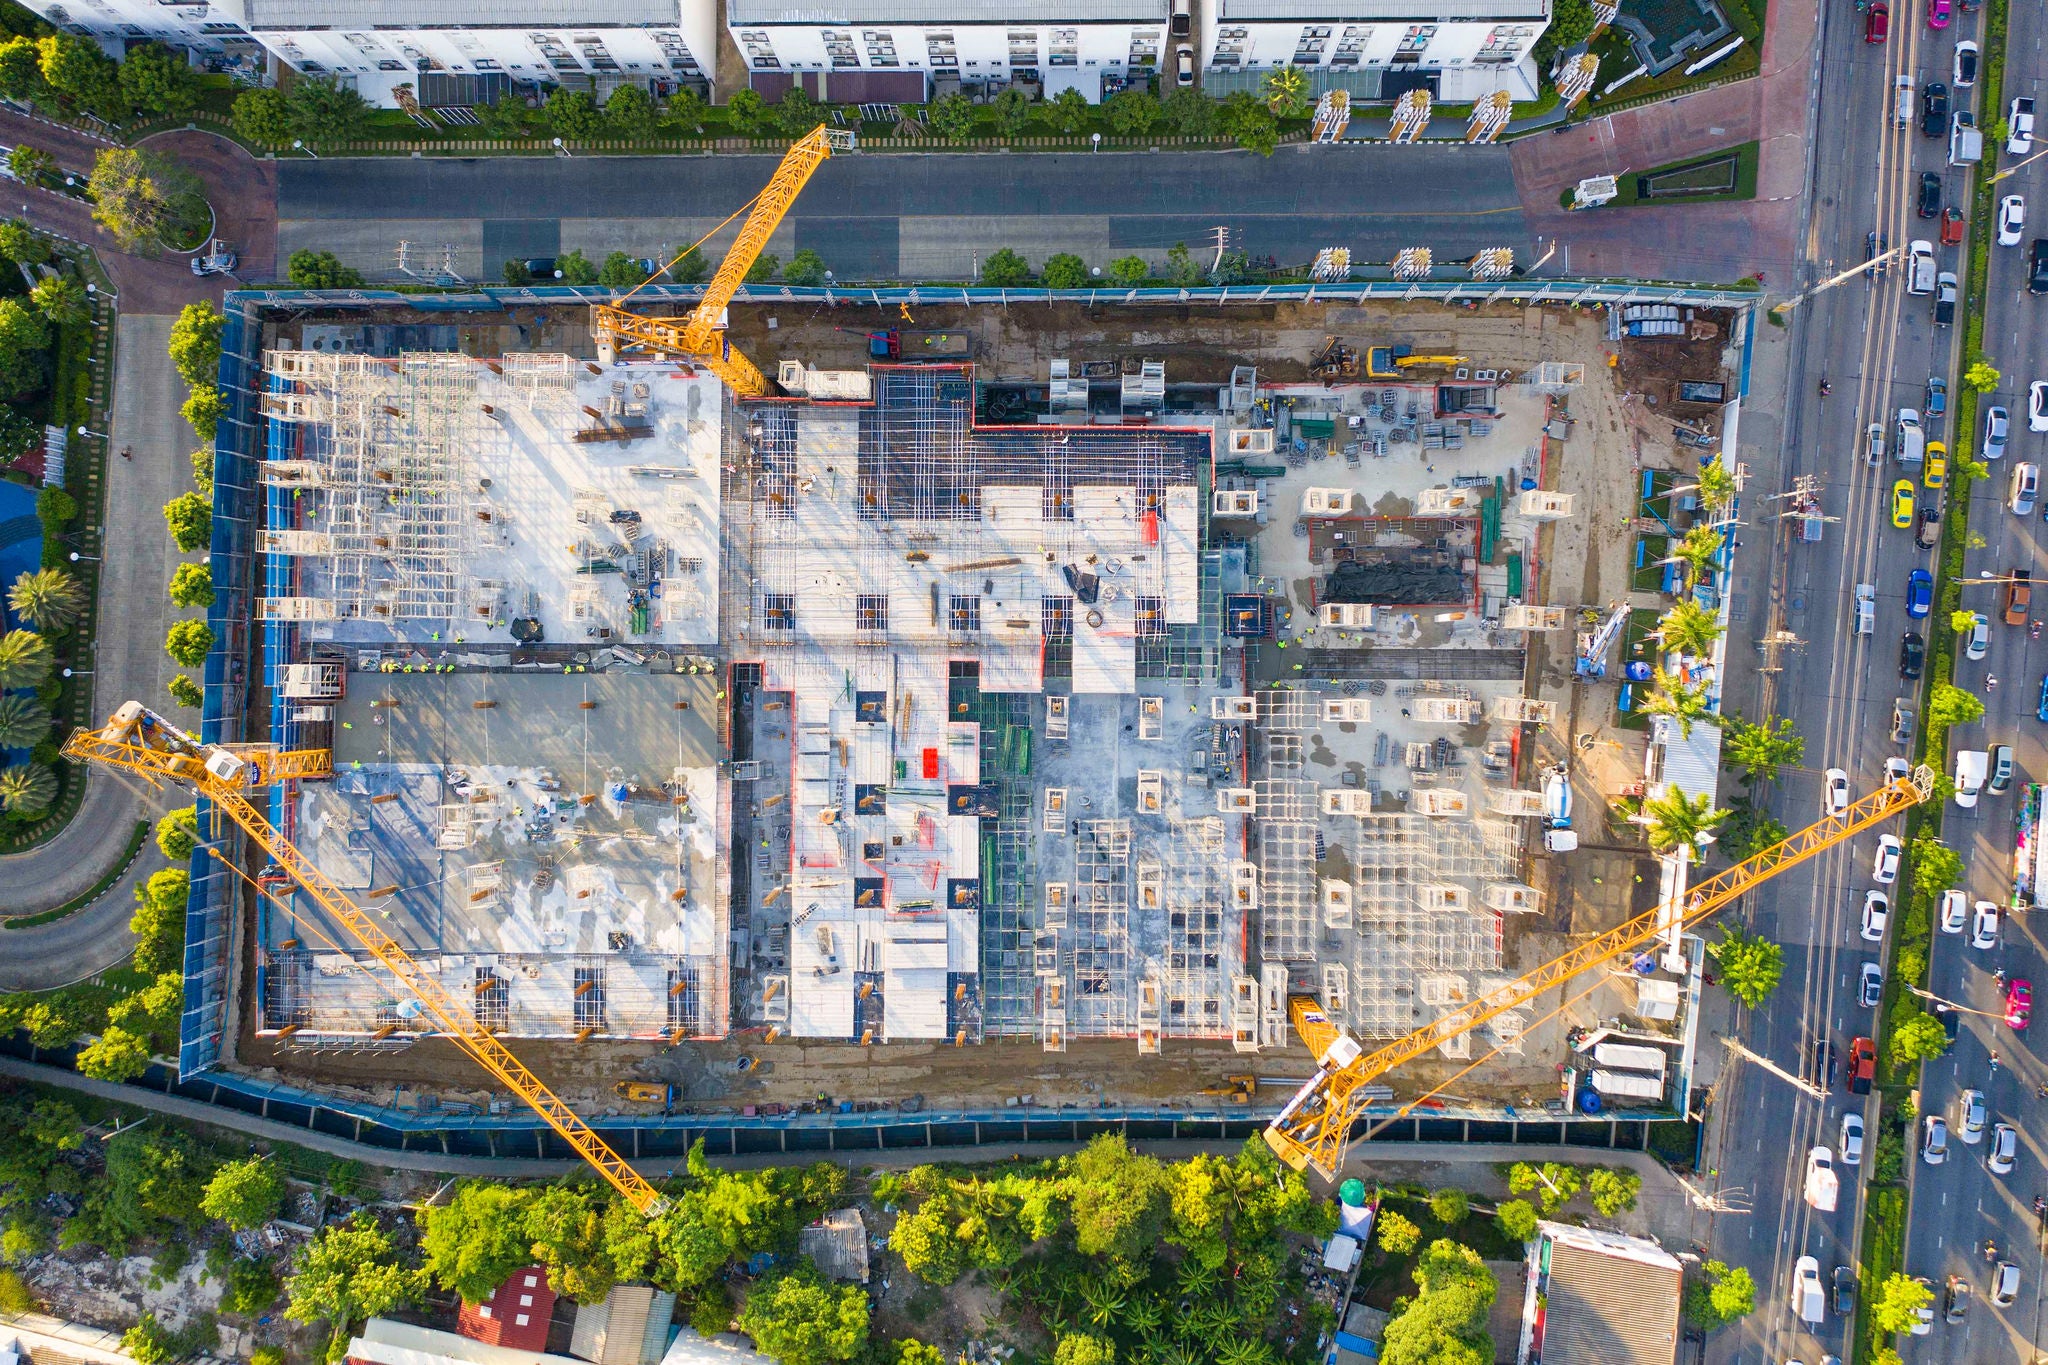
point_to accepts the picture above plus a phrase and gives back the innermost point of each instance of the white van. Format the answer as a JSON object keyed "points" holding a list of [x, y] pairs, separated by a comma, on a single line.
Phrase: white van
{"points": [[1912, 437], [1866, 608], [1919, 266], [1971, 767], [1902, 102], [1807, 1299]]}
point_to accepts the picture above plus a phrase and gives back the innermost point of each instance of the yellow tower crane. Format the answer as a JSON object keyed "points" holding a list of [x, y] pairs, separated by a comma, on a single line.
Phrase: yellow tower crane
{"points": [[1314, 1126], [139, 741], [700, 335]]}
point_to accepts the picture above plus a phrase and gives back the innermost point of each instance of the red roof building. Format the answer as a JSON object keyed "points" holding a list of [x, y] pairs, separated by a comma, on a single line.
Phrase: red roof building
{"points": [[517, 1316]]}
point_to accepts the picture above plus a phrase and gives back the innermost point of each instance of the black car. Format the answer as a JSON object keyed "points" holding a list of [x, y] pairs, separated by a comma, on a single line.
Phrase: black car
{"points": [[1845, 1290], [1912, 654], [1873, 248], [1824, 1064], [1951, 1023], [2037, 272], [1934, 110], [1930, 194]]}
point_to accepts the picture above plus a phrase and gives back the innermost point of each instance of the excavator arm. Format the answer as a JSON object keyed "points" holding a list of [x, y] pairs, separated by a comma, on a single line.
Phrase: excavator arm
{"points": [[141, 742], [699, 336], [1314, 1126]]}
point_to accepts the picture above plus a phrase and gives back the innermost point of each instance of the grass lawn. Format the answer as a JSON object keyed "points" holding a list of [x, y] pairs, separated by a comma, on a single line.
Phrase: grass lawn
{"points": [[1654, 549], [1726, 176]]}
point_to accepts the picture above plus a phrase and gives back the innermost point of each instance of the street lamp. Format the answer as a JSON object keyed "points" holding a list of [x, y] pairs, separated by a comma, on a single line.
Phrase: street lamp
{"points": [[77, 558], [299, 145], [1096, 138], [87, 431], [2018, 165], [561, 149]]}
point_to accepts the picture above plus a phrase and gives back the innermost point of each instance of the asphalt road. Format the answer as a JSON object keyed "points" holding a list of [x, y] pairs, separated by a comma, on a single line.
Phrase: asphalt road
{"points": [[900, 216]]}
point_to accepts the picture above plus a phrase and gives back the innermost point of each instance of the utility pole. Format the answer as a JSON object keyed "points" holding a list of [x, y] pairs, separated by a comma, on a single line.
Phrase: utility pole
{"points": [[1767, 1064], [1873, 263], [1734, 1200], [1222, 235]]}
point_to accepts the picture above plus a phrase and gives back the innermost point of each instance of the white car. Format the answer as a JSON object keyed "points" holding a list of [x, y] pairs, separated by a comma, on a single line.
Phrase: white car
{"points": [[1978, 643], [1971, 1116], [1997, 426], [2005, 1147], [1807, 1300], [2037, 405], [1873, 444], [2019, 119], [1884, 869], [2025, 486], [2012, 219], [1955, 911], [1923, 1316], [1965, 71], [1984, 926], [1870, 986], [1852, 1139], [1877, 908], [1896, 769], [1934, 1139], [1834, 795]]}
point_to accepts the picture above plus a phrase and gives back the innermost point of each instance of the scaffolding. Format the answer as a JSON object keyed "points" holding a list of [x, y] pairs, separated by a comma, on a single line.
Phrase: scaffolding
{"points": [[1101, 931]]}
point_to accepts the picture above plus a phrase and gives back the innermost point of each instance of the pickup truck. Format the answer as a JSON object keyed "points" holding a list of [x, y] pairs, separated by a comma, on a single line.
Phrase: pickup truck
{"points": [[2019, 596]]}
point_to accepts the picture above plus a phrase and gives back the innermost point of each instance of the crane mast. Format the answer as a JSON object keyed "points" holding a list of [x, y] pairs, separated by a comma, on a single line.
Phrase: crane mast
{"points": [[138, 741], [1312, 1129]]}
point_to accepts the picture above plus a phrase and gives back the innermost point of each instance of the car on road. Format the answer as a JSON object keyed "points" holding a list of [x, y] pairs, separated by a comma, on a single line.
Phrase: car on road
{"points": [[2037, 405], [1952, 224], [1807, 1300], [1937, 395], [1978, 642], [1862, 1065], [1877, 909], [1912, 654], [1919, 593], [2004, 1149], [1902, 724], [1902, 504], [1823, 1066], [2019, 595], [1919, 271], [1965, 64], [1934, 474], [1955, 910], [1851, 1143], [1971, 765], [1823, 1186], [1866, 608], [2005, 1283], [1945, 298], [1984, 925], [1923, 1317], [2019, 119], [2037, 267], [2001, 769], [1845, 1290], [1834, 791], [1933, 121], [1874, 245], [1997, 426], [1929, 202], [1927, 532], [2023, 487], [1951, 1022], [1873, 444], [1955, 1306], [2019, 1003], [2012, 217], [1971, 1116], [1896, 769], [1934, 1139], [1884, 867], [1870, 988], [1938, 14], [1877, 21]]}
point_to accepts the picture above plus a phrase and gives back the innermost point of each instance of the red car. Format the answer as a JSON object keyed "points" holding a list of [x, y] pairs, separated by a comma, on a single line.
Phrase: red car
{"points": [[2019, 1003], [1877, 22], [1951, 226]]}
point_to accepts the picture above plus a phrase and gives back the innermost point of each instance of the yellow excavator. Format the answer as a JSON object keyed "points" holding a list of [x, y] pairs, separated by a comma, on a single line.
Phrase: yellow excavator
{"points": [[1394, 362], [1314, 1126]]}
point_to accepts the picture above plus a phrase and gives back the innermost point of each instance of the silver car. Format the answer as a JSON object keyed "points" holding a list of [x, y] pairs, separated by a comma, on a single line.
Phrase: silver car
{"points": [[1997, 426], [1934, 1139], [2005, 1147]]}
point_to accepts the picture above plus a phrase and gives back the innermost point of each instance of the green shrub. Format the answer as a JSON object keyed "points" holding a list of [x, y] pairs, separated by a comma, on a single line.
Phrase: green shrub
{"points": [[189, 642], [14, 1295]]}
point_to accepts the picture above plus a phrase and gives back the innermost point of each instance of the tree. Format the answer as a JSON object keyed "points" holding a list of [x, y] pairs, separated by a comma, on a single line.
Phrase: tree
{"points": [[1949, 705], [1981, 377], [1717, 482], [50, 598], [190, 518], [1249, 123], [1449, 1206], [1936, 866], [1189, 113], [24, 659], [565, 1230], [202, 411], [1516, 1220], [471, 1243], [157, 80], [24, 355], [261, 115], [951, 116], [1683, 701], [1759, 751], [1004, 268], [349, 1272], [177, 834], [195, 343], [1678, 821], [1065, 271], [21, 69], [763, 269], [1689, 628], [1012, 110], [1068, 112], [1119, 1200], [807, 267], [924, 1238], [1131, 113], [189, 642], [1725, 1295], [1397, 1235], [20, 242], [621, 271], [1571, 23], [1750, 966], [689, 268], [575, 268], [1553, 1184], [748, 113], [685, 110], [631, 112], [321, 270], [324, 110], [1080, 1349], [192, 585], [1445, 1324], [1285, 91], [1129, 271], [1916, 1038], [516, 273], [141, 199], [31, 165], [506, 116], [62, 301], [244, 1194], [911, 1351], [800, 1320], [27, 788], [79, 72], [796, 113], [24, 720], [1896, 1305], [159, 920], [1613, 1192], [185, 692]]}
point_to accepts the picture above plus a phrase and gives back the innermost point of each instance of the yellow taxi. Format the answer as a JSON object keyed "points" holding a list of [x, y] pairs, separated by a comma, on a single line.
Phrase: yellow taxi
{"points": [[1935, 475], [1902, 504]]}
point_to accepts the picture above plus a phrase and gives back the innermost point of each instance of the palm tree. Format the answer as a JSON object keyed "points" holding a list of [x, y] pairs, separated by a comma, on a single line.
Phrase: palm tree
{"points": [[1689, 628], [1193, 1278], [51, 598], [1680, 822], [24, 659], [27, 788], [1697, 550], [1243, 1351], [1103, 1303], [1684, 702], [1144, 1315], [1177, 1355], [1285, 92], [23, 720], [1717, 485]]}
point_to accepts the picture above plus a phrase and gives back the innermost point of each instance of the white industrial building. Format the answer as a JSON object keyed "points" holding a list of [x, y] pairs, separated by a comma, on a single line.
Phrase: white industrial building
{"points": [[218, 32], [1457, 49]]}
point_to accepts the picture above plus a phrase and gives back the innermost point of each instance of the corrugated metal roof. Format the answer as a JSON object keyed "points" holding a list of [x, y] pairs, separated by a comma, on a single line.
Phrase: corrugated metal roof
{"points": [[273, 15], [739, 12], [1609, 1310], [1384, 11], [1692, 763]]}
